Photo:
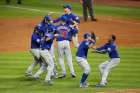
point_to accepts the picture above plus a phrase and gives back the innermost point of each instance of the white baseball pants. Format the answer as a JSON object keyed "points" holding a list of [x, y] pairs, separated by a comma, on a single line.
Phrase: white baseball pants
{"points": [[64, 48], [82, 62], [36, 55], [48, 59], [106, 67]]}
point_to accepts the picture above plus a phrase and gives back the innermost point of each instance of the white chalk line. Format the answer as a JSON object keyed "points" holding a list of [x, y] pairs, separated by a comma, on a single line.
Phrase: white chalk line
{"points": [[50, 12], [30, 9]]}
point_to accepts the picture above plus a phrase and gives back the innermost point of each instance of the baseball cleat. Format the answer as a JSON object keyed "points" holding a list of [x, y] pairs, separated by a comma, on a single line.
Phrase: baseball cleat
{"points": [[73, 75], [86, 83], [55, 76], [49, 82], [63, 76], [83, 85], [100, 85], [36, 78], [28, 74]]}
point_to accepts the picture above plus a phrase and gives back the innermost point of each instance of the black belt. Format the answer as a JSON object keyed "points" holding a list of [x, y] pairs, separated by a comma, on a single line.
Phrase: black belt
{"points": [[44, 49]]}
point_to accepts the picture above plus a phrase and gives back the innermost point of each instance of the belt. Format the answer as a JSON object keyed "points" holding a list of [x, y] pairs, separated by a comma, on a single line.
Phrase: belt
{"points": [[44, 49]]}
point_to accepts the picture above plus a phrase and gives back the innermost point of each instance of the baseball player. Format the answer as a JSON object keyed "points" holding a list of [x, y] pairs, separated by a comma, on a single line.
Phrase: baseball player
{"points": [[81, 57], [46, 57], [63, 39], [110, 48], [35, 50], [73, 21], [47, 27]]}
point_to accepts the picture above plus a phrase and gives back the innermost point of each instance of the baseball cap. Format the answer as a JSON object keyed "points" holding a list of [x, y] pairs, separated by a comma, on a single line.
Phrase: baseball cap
{"points": [[67, 6], [86, 35], [47, 18]]}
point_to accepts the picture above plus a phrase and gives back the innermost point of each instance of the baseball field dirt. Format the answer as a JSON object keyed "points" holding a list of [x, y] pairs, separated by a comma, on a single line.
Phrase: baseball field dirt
{"points": [[15, 33]]}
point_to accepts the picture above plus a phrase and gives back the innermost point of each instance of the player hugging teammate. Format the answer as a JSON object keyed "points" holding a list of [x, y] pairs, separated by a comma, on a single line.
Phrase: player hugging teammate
{"points": [[65, 29]]}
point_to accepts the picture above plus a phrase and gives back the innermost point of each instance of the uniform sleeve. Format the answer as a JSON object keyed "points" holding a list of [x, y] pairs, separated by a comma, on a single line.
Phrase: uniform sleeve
{"points": [[34, 38], [57, 20], [76, 18], [102, 48]]}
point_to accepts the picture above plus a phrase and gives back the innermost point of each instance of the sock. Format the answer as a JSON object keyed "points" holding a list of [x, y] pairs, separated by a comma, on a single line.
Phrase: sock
{"points": [[84, 77]]}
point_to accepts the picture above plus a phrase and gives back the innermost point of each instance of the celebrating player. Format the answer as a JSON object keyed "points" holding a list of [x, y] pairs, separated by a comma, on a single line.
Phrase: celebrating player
{"points": [[110, 48], [47, 27], [81, 57], [72, 21], [35, 50], [63, 39], [46, 57]]}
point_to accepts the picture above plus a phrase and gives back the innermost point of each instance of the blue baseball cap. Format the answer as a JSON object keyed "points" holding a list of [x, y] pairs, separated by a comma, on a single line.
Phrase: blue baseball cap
{"points": [[86, 35], [47, 18], [67, 6]]}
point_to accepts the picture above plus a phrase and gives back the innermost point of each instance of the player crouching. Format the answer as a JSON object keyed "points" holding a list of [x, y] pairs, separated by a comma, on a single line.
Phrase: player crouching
{"points": [[81, 57], [110, 48]]}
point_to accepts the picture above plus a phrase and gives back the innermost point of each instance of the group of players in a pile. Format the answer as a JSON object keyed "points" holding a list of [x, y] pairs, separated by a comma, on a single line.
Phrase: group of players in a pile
{"points": [[65, 29]]}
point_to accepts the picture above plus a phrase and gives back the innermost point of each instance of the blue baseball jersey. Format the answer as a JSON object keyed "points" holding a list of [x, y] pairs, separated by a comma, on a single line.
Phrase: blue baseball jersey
{"points": [[73, 30], [63, 32], [71, 17], [46, 28], [83, 48], [35, 40], [111, 49], [50, 28], [47, 44]]}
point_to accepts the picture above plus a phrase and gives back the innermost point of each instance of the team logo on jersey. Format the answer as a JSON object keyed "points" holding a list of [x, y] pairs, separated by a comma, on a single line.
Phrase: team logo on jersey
{"points": [[87, 43], [109, 49], [63, 31]]}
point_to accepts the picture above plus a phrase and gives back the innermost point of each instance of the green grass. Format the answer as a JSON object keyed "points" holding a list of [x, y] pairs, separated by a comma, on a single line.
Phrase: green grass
{"points": [[125, 76], [56, 6]]}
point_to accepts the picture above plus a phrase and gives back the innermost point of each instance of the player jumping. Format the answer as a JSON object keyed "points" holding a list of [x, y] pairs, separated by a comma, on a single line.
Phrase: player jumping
{"points": [[73, 21]]}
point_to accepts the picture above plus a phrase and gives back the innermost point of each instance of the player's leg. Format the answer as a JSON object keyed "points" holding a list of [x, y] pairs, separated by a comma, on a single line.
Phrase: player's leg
{"points": [[49, 60], [61, 58], [102, 67], [52, 52], [30, 68], [111, 64], [75, 40], [69, 58], [36, 55], [85, 66], [40, 71]]}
